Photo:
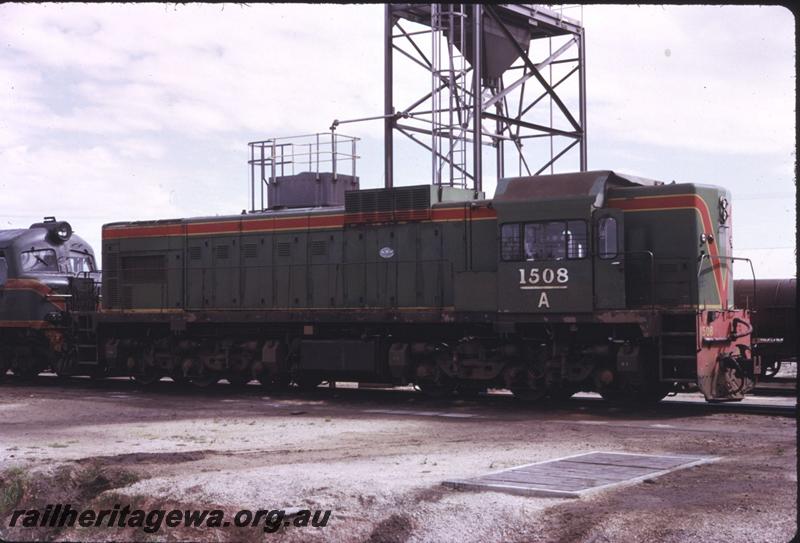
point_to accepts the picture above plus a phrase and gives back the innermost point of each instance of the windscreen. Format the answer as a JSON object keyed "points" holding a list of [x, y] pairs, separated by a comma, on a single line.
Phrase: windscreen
{"points": [[38, 260]]}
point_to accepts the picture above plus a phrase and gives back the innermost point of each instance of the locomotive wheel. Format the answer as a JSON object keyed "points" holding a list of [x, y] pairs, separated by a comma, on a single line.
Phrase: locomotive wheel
{"points": [[635, 395], [436, 390], [434, 382], [149, 376], [467, 391], [3, 367], [178, 377], [98, 373], [205, 380], [275, 382], [529, 394], [771, 369], [239, 380], [26, 373], [62, 369], [22, 365], [561, 394], [307, 384], [613, 395], [530, 386]]}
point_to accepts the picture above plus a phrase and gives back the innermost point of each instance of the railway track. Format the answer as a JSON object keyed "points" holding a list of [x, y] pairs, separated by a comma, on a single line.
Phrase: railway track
{"points": [[690, 404], [777, 386], [756, 409]]}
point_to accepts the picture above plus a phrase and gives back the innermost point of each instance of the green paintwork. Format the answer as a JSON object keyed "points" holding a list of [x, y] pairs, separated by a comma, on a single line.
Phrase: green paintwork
{"points": [[434, 264]]}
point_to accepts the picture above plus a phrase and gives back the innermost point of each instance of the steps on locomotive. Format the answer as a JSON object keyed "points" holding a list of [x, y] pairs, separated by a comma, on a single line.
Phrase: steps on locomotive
{"points": [[678, 347], [86, 340]]}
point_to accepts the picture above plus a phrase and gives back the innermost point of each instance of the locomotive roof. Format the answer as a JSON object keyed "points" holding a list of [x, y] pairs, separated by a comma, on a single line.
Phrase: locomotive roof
{"points": [[294, 211], [245, 216], [541, 187], [37, 236], [9, 236], [566, 185]]}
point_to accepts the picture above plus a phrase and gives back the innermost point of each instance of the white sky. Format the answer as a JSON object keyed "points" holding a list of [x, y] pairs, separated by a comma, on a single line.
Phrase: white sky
{"points": [[143, 111]]}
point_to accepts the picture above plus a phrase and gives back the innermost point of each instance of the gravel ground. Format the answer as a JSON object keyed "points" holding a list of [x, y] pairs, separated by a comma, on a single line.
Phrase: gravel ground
{"points": [[377, 458]]}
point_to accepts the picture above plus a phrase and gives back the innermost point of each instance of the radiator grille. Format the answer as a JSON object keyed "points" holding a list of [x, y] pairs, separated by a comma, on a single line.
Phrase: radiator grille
{"points": [[250, 250], [221, 252], [378, 205], [144, 269], [319, 248]]}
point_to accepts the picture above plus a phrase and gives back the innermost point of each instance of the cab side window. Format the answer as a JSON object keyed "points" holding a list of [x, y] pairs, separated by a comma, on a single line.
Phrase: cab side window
{"points": [[544, 240], [3, 270], [577, 239], [511, 241], [607, 246]]}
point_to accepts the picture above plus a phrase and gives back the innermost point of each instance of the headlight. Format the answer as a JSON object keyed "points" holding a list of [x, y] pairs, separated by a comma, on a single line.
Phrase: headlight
{"points": [[64, 231]]}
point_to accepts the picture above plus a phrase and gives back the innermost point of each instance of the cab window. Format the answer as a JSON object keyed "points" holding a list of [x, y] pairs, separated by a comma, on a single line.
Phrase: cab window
{"points": [[3, 270], [546, 240], [39, 260], [77, 263], [607, 246], [577, 239], [511, 241]]}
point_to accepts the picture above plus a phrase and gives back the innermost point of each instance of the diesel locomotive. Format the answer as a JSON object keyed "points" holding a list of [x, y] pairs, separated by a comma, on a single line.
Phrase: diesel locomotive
{"points": [[585, 281], [37, 266], [592, 281]]}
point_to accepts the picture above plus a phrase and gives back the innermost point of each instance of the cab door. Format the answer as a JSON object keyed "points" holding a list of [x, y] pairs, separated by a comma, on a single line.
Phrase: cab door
{"points": [[609, 259]]}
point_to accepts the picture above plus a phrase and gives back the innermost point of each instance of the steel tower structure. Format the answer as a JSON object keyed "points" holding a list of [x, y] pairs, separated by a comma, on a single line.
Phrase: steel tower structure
{"points": [[484, 86]]}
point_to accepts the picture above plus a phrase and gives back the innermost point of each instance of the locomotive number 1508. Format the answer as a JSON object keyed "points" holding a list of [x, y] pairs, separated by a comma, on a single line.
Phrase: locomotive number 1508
{"points": [[543, 276]]}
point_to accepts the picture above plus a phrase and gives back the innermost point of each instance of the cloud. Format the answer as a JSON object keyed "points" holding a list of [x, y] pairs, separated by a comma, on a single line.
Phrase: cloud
{"points": [[717, 79], [198, 68]]}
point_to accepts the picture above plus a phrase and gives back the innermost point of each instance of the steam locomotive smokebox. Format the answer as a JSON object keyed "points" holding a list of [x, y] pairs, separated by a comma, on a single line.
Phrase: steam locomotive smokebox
{"points": [[309, 189]]}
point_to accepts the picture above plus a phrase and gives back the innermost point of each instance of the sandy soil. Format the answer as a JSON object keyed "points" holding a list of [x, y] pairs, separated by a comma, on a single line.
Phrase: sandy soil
{"points": [[377, 459]]}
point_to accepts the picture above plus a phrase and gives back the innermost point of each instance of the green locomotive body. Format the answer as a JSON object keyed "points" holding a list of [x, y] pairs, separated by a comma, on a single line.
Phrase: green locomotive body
{"points": [[584, 281]]}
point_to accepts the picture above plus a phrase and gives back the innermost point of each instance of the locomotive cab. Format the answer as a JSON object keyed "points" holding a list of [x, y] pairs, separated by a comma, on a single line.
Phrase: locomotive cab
{"points": [[47, 252], [651, 259], [562, 248], [592, 241]]}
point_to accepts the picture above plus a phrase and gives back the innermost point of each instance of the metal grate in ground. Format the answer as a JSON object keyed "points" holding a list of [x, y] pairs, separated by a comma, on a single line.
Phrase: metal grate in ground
{"points": [[575, 476]]}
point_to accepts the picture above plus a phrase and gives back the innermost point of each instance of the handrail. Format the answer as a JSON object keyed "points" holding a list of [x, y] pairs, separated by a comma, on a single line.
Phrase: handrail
{"points": [[731, 258], [271, 157]]}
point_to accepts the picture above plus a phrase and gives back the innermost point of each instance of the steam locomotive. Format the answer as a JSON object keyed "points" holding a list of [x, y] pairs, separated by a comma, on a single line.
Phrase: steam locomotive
{"points": [[591, 281]]}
